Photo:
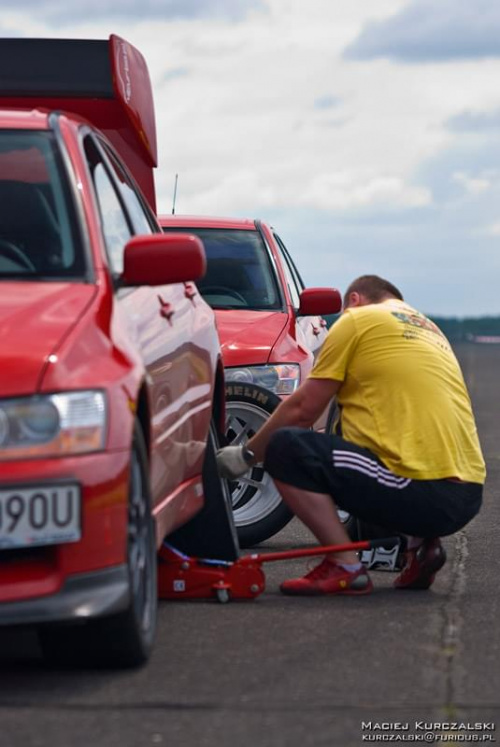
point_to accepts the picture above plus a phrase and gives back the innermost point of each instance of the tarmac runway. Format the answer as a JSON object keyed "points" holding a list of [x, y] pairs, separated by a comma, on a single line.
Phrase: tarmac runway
{"points": [[287, 672]]}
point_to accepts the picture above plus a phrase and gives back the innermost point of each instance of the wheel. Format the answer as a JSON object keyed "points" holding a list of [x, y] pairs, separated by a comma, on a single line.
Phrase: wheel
{"points": [[258, 509], [124, 639], [222, 596], [212, 532]]}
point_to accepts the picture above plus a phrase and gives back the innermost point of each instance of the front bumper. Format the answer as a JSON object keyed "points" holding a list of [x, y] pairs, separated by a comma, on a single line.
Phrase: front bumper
{"points": [[82, 596], [42, 573]]}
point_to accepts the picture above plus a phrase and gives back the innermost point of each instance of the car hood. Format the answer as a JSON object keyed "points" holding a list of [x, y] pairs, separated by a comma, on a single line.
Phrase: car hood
{"points": [[34, 319], [247, 337]]}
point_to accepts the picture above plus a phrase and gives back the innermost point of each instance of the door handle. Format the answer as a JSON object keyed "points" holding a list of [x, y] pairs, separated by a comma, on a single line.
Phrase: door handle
{"points": [[166, 309], [167, 312]]}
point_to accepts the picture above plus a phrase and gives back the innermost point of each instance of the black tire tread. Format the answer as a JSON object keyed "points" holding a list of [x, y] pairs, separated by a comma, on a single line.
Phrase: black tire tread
{"points": [[212, 532]]}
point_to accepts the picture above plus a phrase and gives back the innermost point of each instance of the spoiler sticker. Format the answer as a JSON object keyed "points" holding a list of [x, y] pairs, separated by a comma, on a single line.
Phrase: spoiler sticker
{"points": [[123, 72]]}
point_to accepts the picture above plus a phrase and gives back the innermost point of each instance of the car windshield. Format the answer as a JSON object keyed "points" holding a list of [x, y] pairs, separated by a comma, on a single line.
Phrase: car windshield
{"points": [[239, 270], [37, 225]]}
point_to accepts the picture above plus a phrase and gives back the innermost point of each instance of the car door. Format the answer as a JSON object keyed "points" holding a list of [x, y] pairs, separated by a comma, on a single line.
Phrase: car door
{"points": [[157, 318]]}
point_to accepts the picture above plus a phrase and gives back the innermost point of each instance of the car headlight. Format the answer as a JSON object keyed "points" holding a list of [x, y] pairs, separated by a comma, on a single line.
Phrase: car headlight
{"points": [[52, 425], [282, 378]]}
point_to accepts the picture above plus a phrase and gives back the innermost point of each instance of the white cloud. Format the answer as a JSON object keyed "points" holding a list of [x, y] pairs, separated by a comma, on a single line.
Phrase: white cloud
{"points": [[238, 193], [472, 184], [492, 230], [345, 191], [60, 12]]}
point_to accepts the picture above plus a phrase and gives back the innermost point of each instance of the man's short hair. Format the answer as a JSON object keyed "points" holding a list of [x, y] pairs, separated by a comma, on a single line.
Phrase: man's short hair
{"points": [[375, 289]]}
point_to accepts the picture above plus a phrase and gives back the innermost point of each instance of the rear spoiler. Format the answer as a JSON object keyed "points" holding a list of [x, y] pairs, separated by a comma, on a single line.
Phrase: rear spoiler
{"points": [[106, 82]]}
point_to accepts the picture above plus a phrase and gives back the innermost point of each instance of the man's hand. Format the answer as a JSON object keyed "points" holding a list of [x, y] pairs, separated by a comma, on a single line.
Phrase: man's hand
{"points": [[231, 463]]}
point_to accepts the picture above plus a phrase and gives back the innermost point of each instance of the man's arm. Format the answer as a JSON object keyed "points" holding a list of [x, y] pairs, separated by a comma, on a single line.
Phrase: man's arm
{"points": [[301, 409]]}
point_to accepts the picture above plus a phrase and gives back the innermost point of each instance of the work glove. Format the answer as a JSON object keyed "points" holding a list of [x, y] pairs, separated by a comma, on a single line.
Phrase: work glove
{"points": [[234, 461]]}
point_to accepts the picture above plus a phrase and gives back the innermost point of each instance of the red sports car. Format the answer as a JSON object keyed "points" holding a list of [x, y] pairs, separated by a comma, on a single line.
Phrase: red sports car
{"points": [[271, 328], [111, 376]]}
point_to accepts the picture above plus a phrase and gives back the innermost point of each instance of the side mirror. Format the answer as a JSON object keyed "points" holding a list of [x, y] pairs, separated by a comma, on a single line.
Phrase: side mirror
{"points": [[319, 301], [159, 259]]}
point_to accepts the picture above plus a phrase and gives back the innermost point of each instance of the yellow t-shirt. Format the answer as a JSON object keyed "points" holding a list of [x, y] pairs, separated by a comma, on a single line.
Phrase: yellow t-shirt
{"points": [[403, 395]]}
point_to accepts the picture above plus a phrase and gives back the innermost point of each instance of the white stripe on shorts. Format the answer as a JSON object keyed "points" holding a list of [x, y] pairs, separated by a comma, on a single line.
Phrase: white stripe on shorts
{"points": [[370, 467]]}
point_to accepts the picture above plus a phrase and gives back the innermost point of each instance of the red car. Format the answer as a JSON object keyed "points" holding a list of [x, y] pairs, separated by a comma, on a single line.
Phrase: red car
{"points": [[271, 329], [111, 376]]}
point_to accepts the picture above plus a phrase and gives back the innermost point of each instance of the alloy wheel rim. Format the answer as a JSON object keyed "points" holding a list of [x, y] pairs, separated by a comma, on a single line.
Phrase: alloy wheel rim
{"points": [[254, 495]]}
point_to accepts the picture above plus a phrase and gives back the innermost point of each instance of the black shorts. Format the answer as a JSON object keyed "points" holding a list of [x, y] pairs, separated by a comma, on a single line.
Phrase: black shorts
{"points": [[360, 484]]}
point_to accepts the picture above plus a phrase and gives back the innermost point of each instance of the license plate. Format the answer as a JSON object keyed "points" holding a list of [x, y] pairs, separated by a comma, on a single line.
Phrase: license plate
{"points": [[46, 515]]}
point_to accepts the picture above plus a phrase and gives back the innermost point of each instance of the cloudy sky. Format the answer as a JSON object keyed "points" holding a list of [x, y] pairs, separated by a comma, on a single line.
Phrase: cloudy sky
{"points": [[367, 133]]}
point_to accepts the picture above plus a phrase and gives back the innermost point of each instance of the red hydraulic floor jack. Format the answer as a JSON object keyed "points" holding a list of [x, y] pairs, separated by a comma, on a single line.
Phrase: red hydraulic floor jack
{"points": [[183, 577]]}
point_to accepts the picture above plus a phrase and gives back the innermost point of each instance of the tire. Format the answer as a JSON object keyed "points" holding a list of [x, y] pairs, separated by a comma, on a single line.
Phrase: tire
{"points": [[259, 512], [212, 532], [125, 639]]}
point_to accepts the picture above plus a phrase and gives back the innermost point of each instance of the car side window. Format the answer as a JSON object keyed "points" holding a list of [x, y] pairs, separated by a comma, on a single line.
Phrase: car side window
{"points": [[139, 213], [293, 288], [115, 224], [293, 269]]}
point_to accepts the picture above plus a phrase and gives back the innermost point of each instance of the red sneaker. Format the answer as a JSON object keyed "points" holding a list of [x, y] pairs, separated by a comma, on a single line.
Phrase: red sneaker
{"points": [[329, 578], [421, 565]]}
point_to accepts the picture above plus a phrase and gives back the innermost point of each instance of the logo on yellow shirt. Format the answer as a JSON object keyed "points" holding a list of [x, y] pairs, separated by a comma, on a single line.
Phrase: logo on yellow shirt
{"points": [[417, 320]]}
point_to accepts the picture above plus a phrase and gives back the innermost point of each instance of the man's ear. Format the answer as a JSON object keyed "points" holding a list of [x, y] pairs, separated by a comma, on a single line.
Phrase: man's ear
{"points": [[353, 299]]}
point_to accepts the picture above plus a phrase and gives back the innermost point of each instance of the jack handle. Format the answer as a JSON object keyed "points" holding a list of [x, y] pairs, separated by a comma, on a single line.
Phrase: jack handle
{"points": [[388, 542]]}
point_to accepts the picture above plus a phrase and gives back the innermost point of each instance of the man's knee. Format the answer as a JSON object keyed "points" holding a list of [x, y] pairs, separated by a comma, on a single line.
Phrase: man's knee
{"points": [[281, 447]]}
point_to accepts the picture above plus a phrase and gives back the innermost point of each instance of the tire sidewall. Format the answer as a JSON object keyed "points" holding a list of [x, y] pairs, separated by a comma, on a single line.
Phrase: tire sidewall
{"points": [[145, 634], [252, 394], [266, 401]]}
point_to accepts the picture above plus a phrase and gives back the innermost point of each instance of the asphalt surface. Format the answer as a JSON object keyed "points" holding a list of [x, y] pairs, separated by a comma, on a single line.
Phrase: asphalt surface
{"points": [[285, 672]]}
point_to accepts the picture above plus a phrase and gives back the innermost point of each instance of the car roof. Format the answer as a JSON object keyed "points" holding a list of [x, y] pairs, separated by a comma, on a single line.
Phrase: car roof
{"points": [[206, 221]]}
